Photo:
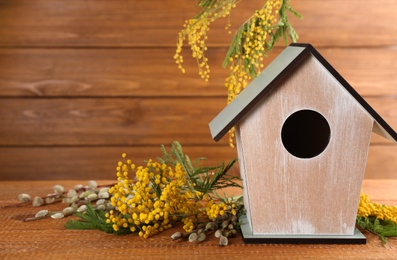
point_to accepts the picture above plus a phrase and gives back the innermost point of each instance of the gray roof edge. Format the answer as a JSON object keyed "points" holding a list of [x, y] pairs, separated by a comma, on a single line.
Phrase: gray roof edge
{"points": [[382, 127], [236, 109], [273, 73]]}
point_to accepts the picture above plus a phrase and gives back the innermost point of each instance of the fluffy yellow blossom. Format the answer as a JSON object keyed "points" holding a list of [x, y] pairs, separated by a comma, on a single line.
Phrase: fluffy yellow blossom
{"points": [[366, 208], [195, 30], [214, 210], [151, 203], [159, 195], [251, 43]]}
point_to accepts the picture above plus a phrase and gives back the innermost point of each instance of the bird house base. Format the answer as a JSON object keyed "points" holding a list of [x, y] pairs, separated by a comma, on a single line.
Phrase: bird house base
{"points": [[250, 238]]}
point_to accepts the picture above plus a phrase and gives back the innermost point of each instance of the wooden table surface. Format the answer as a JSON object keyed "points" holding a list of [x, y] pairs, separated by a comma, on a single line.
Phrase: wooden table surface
{"points": [[47, 238]]}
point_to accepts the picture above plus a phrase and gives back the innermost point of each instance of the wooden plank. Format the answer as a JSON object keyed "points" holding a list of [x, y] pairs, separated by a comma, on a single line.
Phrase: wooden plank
{"points": [[381, 163], [113, 121], [64, 163], [106, 73], [370, 71], [61, 163], [157, 22], [153, 73], [98, 23], [346, 23], [122, 121], [380, 189]]}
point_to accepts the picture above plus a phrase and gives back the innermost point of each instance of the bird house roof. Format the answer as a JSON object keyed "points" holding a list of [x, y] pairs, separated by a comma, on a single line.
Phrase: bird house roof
{"points": [[271, 77]]}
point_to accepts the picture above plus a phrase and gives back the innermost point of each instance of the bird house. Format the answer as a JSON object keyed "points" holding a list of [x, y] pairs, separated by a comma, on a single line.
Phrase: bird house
{"points": [[302, 137]]}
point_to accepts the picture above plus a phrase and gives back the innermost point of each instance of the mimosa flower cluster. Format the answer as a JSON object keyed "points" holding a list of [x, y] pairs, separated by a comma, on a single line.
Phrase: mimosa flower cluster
{"points": [[366, 208], [247, 53], [195, 30], [149, 199], [251, 43], [157, 198]]}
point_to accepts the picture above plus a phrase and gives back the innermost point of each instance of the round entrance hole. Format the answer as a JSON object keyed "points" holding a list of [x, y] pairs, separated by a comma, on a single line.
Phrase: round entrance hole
{"points": [[305, 134]]}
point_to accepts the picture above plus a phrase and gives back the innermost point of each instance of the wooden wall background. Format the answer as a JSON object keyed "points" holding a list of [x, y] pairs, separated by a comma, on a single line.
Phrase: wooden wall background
{"points": [[82, 81]]}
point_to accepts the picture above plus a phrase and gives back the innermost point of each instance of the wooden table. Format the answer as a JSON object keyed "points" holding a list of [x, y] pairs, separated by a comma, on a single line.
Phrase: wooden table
{"points": [[48, 238]]}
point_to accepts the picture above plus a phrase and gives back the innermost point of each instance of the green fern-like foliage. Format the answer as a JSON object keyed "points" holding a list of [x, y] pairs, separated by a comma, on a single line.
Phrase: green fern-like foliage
{"points": [[381, 228], [93, 219], [203, 179]]}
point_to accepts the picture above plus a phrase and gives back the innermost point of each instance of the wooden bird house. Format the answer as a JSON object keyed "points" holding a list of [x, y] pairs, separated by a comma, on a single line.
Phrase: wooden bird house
{"points": [[302, 137]]}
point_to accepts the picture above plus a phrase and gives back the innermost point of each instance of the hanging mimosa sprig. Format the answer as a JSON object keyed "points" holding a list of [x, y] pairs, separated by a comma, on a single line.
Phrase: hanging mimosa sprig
{"points": [[251, 43], [254, 40], [195, 30]]}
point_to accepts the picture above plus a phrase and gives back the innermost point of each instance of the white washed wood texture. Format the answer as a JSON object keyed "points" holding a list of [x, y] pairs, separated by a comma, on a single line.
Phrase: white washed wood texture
{"points": [[289, 195]]}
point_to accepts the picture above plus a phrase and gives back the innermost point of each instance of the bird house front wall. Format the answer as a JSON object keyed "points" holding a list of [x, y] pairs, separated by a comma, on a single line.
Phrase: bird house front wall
{"points": [[287, 194]]}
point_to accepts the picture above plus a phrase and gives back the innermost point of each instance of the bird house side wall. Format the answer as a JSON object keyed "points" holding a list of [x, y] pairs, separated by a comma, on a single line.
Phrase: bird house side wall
{"points": [[290, 195], [243, 176]]}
